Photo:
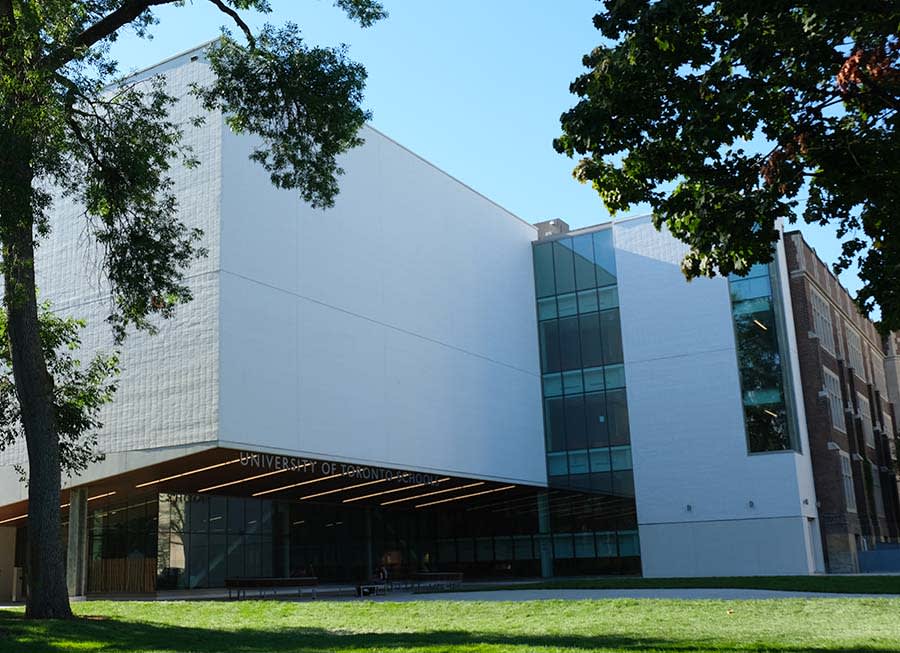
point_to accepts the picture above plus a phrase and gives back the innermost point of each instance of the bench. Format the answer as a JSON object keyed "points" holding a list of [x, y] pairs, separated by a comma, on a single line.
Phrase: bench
{"points": [[240, 585], [372, 588], [436, 581]]}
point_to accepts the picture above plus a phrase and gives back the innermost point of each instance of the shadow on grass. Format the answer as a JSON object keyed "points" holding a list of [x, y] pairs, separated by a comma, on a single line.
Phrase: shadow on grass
{"points": [[113, 635]]}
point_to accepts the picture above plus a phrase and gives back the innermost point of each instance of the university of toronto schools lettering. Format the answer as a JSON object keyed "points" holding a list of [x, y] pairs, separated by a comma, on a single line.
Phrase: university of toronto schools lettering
{"points": [[329, 468]]}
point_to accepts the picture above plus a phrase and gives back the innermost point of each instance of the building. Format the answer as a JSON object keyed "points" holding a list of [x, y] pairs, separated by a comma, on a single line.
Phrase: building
{"points": [[418, 379], [850, 395]]}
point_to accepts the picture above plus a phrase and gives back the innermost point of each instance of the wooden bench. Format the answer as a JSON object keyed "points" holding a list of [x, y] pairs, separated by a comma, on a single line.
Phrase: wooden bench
{"points": [[436, 581], [240, 585]]}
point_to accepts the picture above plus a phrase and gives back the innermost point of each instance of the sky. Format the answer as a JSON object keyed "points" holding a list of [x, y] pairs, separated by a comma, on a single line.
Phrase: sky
{"points": [[474, 86]]}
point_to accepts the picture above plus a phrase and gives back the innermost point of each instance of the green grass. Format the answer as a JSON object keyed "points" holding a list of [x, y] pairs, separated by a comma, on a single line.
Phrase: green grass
{"points": [[431, 626], [839, 584]]}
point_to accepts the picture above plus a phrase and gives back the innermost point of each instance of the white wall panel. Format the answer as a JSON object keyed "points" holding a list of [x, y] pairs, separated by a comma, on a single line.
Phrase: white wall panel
{"points": [[746, 547], [688, 440], [168, 389], [396, 328]]}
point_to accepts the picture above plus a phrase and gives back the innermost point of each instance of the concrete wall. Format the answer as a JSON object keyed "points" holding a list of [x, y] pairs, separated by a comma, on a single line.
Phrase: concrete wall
{"points": [[397, 328], [688, 440]]}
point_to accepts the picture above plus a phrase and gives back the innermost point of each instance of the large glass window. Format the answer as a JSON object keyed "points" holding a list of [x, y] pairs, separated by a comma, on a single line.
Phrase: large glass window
{"points": [[585, 407], [604, 255], [763, 372], [123, 545], [564, 265], [611, 335], [544, 279]]}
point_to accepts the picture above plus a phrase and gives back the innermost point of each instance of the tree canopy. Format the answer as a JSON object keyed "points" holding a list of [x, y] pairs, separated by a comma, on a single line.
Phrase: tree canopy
{"points": [[70, 125], [728, 116]]}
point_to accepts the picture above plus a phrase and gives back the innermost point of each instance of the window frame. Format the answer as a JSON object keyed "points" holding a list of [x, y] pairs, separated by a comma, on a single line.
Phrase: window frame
{"points": [[823, 325], [832, 385], [847, 482], [854, 352], [865, 417], [877, 492]]}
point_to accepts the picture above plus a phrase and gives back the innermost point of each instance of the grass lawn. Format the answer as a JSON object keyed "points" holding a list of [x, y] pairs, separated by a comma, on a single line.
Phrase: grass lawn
{"points": [[840, 584], [432, 626]]}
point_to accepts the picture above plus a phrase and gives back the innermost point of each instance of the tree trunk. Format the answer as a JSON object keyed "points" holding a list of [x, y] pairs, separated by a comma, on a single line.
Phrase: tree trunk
{"points": [[47, 592]]}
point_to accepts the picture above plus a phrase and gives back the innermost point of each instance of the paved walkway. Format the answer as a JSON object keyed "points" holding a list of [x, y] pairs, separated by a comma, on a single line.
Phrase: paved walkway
{"points": [[571, 595], [576, 594]]}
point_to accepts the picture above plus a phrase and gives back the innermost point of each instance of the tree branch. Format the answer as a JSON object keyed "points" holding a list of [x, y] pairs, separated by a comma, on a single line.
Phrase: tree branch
{"points": [[100, 30], [237, 19]]}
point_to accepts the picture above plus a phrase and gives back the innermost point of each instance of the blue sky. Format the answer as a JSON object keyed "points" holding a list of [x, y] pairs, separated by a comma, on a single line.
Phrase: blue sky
{"points": [[475, 87]]}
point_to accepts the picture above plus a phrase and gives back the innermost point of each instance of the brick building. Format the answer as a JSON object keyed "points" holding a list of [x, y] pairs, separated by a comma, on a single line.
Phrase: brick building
{"points": [[850, 377]]}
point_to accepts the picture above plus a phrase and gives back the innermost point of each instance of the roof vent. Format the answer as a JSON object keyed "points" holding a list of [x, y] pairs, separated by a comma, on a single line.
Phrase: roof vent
{"points": [[553, 227]]}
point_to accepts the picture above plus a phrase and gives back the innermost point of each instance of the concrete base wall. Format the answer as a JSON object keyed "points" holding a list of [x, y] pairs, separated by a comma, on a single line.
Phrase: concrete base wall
{"points": [[842, 558], [747, 547]]}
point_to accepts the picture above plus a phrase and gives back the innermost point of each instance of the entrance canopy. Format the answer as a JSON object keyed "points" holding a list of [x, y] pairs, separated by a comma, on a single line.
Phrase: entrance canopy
{"points": [[291, 478]]}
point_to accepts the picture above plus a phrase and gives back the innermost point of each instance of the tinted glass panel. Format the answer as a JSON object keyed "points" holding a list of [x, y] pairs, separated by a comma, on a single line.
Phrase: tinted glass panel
{"points": [[569, 346], [591, 343], [587, 301], [549, 331], [595, 419], [617, 416], [608, 297], [575, 433], [568, 304], [547, 308], [584, 262], [564, 264], [612, 336], [555, 424], [605, 257], [543, 270], [760, 363]]}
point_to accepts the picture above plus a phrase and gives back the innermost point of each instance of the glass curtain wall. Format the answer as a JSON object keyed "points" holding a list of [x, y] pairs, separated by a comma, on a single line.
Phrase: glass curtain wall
{"points": [[585, 408], [204, 539], [759, 333], [122, 541]]}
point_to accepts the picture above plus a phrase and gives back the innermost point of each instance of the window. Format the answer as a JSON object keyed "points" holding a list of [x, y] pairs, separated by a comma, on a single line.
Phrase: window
{"points": [[605, 257], [847, 476], [760, 363], [854, 352], [888, 424], [579, 331], [822, 321], [543, 270], [585, 277], [833, 389], [876, 491], [564, 265], [878, 377], [865, 416]]}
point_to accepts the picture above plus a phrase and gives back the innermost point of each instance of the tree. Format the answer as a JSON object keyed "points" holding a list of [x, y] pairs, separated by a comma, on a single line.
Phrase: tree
{"points": [[67, 123], [722, 115]]}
